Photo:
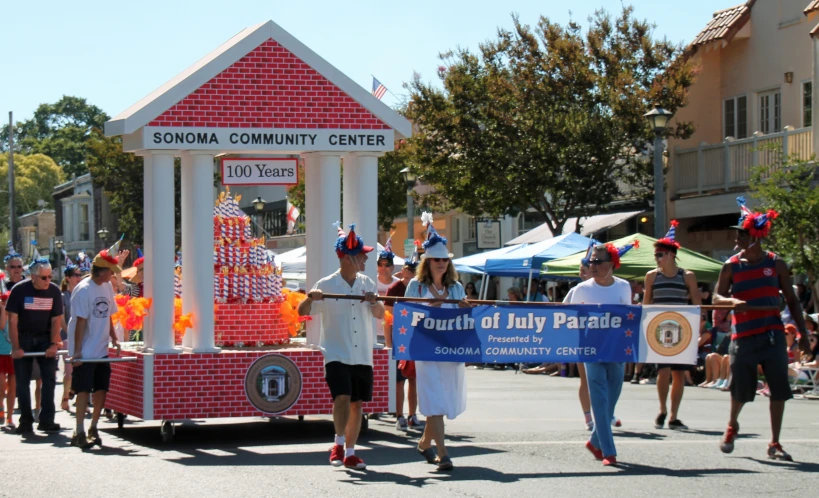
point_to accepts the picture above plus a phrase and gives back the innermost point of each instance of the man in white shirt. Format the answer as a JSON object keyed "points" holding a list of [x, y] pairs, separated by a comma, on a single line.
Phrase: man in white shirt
{"points": [[605, 379], [90, 328], [347, 342]]}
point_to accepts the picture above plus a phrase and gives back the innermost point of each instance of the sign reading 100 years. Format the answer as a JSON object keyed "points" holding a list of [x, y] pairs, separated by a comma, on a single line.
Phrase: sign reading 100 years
{"points": [[260, 171]]}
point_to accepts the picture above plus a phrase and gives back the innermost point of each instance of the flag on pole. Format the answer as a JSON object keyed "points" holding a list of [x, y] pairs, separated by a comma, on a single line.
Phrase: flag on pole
{"points": [[378, 89], [292, 216]]}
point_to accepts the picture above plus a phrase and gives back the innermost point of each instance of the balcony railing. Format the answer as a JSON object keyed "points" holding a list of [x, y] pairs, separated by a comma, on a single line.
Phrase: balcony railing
{"points": [[729, 164]]}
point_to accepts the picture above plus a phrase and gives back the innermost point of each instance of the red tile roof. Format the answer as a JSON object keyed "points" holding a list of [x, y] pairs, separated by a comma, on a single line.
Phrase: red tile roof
{"points": [[812, 7], [725, 24]]}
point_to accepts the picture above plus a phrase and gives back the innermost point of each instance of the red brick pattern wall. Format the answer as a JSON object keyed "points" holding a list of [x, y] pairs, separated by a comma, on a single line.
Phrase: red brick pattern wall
{"points": [[191, 386], [269, 88], [249, 324], [125, 394]]}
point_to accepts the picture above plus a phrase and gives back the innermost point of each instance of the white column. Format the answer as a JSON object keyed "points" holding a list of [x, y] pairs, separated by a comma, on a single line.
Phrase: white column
{"points": [[322, 186], [148, 245], [197, 280], [188, 246], [162, 259], [361, 201]]}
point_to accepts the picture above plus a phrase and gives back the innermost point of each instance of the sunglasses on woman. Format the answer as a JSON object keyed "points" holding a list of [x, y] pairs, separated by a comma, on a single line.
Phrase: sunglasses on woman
{"points": [[438, 260]]}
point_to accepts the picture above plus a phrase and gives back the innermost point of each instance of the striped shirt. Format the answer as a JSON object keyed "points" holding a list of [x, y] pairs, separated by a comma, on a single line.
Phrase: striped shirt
{"points": [[757, 285], [672, 290]]}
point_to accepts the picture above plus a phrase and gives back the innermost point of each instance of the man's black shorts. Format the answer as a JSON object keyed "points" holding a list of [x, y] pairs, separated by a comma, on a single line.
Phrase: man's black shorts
{"points": [[768, 350], [355, 381], [91, 377]]}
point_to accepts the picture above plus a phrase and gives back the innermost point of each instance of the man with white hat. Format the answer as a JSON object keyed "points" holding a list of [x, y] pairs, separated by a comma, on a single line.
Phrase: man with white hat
{"points": [[347, 341]]}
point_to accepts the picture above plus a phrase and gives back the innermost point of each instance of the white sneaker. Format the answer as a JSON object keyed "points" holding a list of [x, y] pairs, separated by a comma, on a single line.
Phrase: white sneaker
{"points": [[414, 423], [590, 425], [401, 423]]}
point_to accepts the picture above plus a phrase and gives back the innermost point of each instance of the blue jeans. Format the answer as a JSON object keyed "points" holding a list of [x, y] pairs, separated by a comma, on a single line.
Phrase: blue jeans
{"points": [[48, 372], [605, 382]]}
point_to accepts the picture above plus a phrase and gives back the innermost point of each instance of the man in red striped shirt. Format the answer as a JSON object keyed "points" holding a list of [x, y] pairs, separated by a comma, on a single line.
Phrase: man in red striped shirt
{"points": [[754, 278]]}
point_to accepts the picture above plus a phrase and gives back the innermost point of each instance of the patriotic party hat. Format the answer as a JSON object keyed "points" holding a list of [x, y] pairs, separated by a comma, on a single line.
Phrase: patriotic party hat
{"points": [[415, 258], [107, 258], [349, 244], [756, 224], [435, 245], [387, 252], [616, 253], [12, 254], [670, 241], [587, 258]]}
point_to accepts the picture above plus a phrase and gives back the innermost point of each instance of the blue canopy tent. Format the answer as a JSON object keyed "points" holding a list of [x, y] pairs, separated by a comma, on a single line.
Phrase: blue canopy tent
{"points": [[475, 263], [523, 261]]}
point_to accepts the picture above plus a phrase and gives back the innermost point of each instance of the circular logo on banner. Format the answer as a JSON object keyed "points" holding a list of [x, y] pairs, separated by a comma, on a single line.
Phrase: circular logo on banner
{"points": [[669, 334], [273, 383]]}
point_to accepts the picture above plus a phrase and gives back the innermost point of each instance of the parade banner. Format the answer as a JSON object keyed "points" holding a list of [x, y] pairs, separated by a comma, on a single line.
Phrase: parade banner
{"points": [[561, 333]]}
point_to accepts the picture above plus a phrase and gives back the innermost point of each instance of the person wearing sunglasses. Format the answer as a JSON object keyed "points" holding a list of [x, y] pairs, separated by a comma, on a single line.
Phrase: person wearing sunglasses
{"points": [[35, 312], [754, 278], [669, 284], [441, 385], [91, 329], [605, 379]]}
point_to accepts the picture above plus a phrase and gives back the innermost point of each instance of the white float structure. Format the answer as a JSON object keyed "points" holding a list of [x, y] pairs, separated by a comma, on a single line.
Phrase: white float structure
{"points": [[274, 96]]}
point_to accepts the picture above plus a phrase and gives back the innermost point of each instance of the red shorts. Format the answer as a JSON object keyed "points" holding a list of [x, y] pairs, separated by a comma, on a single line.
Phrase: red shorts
{"points": [[6, 364]]}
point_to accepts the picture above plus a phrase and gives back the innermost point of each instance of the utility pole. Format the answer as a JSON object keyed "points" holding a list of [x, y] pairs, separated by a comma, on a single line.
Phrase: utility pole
{"points": [[12, 216]]}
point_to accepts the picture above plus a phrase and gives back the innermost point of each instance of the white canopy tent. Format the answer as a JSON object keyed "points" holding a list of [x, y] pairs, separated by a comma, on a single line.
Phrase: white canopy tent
{"points": [[293, 263], [588, 227]]}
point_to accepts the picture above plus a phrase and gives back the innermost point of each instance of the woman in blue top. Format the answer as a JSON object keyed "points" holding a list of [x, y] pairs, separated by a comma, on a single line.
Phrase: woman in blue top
{"points": [[441, 385]]}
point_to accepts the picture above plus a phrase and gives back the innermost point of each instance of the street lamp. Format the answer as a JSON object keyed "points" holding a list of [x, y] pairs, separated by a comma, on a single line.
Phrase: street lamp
{"points": [[58, 244], [102, 234], [410, 178], [258, 205], [658, 118]]}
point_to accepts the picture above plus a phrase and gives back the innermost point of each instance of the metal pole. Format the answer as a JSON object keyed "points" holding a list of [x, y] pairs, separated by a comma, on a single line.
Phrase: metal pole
{"points": [[659, 188], [410, 216], [12, 216]]}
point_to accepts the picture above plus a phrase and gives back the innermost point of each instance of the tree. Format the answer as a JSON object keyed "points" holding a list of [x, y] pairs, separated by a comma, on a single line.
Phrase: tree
{"points": [[60, 131], [35, 177], [121, 177], [789, 187], [392, 193], [548, 118]]}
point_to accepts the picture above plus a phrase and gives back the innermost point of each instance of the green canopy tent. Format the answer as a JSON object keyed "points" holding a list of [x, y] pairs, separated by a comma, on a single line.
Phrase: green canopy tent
{"points": [[637, 262]]}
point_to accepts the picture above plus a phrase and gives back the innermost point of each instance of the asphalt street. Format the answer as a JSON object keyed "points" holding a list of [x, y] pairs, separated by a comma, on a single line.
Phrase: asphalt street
{"points": [[521, 436]]}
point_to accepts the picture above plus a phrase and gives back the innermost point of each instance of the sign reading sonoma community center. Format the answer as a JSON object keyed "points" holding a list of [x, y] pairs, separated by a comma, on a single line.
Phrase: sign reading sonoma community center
{"points": [[566, 334], [273, 139]]}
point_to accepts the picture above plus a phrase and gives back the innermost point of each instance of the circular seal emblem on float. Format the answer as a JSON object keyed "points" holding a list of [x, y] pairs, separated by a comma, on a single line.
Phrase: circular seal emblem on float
{"points": [[669, 334], [273, 383]]}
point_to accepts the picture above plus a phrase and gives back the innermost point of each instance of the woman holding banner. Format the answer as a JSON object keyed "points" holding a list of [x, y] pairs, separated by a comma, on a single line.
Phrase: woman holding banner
{"points": [[605, 379], [441, 385]]}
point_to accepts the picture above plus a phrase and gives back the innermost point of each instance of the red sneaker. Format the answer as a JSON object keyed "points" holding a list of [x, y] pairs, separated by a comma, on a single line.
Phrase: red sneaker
{"points": [[727, 445], [353, 462], [337, 455], [598, 454], [775, 452], [610, 461]]}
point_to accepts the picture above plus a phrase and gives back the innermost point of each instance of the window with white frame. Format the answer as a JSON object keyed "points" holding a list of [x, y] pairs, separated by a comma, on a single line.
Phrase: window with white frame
{"points": [[456, 229], [770, 112], [470, 231], [807, 103], [85, 226], [735, 117]]}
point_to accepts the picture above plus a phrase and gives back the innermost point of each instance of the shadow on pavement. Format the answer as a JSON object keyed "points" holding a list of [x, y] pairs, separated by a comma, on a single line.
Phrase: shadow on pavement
{"points": [[797, 466], [472, 473], [650, 436]]}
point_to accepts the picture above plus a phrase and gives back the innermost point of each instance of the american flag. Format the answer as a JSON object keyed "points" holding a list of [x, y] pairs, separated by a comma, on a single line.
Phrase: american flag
{"points": [[378, 89], [38, 303]]}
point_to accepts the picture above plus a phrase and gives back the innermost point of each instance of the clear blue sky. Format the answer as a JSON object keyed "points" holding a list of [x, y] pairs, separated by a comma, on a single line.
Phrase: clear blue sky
{"points": [[114, 53]]}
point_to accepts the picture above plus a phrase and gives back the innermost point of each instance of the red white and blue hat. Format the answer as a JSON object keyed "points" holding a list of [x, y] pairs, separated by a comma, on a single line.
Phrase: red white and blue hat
{"points": [[413, 261], [670, 240], [387, 252], [616, 252], [756, 224], [435, 245], [587, 258], [349, 244]]}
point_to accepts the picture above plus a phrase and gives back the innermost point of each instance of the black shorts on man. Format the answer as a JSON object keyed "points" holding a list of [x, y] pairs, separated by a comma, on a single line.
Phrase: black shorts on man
{"points": [[91, 377], [767, 350], [355, 381]]}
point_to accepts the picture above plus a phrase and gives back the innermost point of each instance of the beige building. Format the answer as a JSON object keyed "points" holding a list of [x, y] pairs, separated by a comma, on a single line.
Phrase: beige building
{"points": [[40, 226], [754, 88]]}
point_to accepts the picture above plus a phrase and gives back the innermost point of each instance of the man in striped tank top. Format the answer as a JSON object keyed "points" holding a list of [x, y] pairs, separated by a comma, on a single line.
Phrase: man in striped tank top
{"points": [[670, 284], [754, 278]]}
